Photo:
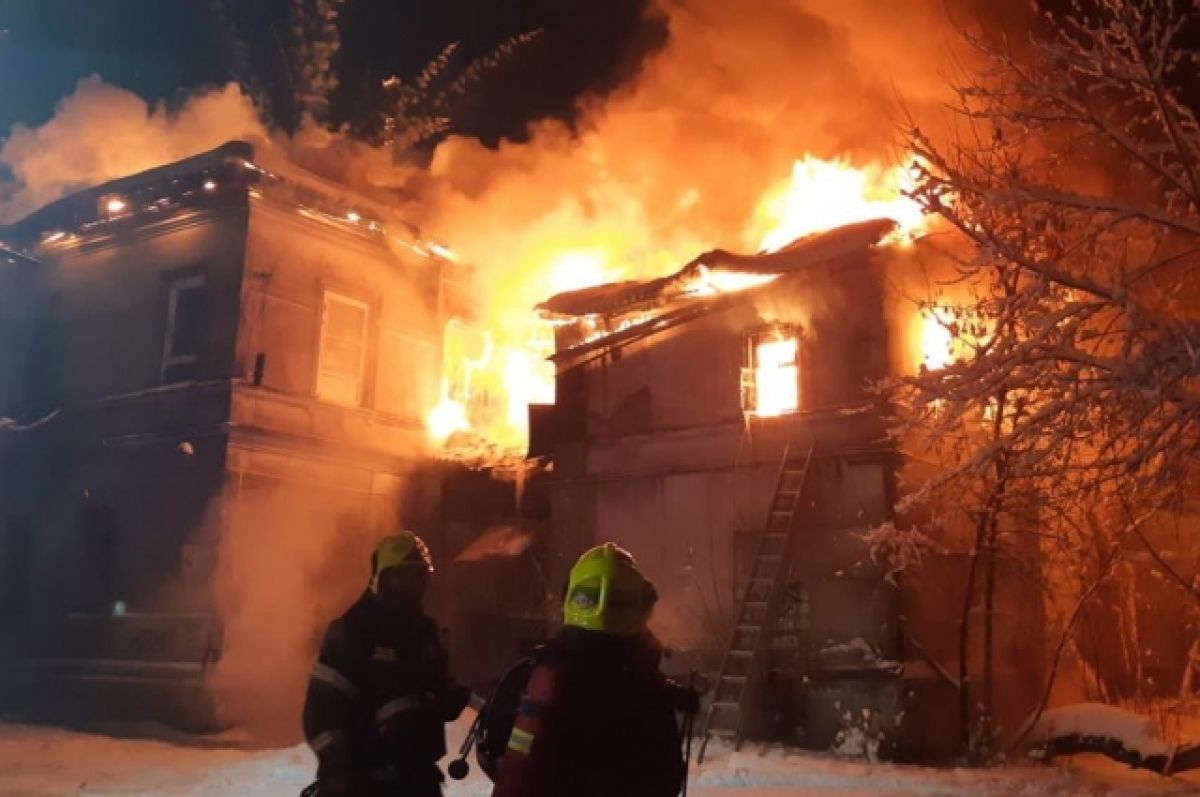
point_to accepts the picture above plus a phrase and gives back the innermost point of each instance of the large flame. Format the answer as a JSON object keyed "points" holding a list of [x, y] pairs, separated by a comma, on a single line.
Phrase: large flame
{"points": [[489, 392], [937, 340], [776, 376], [822, 195]]}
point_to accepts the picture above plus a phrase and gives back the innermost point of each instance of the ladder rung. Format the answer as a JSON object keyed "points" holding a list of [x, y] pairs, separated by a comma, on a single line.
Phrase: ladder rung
{"points": [[745, 628], [755, 604], [715, 731], [724, 704], [735, 679]]}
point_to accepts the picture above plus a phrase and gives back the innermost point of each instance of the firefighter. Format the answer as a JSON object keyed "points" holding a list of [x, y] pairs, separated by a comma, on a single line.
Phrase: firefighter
{"points": [[381, 688], [597, 717]]}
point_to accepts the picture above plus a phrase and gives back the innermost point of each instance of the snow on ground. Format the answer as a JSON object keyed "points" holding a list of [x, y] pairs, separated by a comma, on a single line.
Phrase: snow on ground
{"points": [[52, 762], [1136, 732]]}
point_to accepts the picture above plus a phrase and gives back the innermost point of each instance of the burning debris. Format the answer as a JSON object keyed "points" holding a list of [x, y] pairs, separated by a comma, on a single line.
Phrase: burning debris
{"points": [[607, 314]]}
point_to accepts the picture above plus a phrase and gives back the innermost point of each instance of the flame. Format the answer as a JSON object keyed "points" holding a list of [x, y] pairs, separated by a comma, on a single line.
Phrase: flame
{"points": [[447, 417], [489, 393], [711, 282], [937, 342], [576, 269], [776, 377], [826, 194]]}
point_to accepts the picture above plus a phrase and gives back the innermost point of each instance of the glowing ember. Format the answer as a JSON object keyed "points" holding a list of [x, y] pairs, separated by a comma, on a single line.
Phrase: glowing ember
{"points": [[776, 377], [114, 205], [576, 269], [936, 340], [822, 195], [710, 282], [441, 251], [210, 185], [447, 417]]}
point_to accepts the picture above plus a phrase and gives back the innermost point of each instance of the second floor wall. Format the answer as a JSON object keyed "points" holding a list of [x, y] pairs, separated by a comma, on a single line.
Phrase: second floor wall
{"points": [[151, 306], [337, 331]]}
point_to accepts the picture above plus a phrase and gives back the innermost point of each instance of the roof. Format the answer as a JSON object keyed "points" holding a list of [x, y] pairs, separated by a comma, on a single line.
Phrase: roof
{"points": [[82, 207], [11, 256], [201, 181], [619, 297], [663, 303]]}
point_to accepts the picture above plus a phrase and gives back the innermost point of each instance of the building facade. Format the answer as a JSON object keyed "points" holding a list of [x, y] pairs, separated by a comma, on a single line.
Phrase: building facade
{"points": [[676, 401], [240, 356]]}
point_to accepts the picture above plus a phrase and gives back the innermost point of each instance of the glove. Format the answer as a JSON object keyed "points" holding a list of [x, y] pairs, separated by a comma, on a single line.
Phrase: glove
{"points": [[452, 702]]}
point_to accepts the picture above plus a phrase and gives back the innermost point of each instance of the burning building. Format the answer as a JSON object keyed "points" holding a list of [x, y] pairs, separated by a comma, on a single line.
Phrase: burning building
{"points": [[249, 370], [241, 356], [720, 424]]}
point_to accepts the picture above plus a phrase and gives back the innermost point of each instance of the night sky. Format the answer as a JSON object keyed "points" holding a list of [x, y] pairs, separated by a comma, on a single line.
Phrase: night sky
{"points": [[162, 49]]}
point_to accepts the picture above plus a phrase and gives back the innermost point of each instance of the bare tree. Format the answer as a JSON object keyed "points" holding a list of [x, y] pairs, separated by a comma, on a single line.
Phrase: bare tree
{"points": [[1072, 412]]}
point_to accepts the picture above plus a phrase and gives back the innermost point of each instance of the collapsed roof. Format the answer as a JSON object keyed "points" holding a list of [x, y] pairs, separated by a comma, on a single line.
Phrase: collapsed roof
{"points": [[620, 297], [670, 300]]}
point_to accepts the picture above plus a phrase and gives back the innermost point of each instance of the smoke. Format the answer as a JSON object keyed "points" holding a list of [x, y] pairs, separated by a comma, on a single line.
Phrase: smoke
{"points": [[676, 161], [101, 132], [290, 560]]}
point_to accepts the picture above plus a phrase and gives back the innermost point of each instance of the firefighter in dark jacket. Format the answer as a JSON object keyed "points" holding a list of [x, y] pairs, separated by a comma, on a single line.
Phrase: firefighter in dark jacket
{"points": [[381, 688], [598, 718]]}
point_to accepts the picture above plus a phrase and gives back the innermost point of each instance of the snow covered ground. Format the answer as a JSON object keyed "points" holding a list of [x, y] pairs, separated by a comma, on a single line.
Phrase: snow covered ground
{"points": [[43, 761]]}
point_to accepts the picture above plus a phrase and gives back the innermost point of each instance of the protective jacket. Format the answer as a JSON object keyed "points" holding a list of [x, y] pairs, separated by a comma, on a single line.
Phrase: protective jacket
{"points": [[377, 700], [597, 719]]}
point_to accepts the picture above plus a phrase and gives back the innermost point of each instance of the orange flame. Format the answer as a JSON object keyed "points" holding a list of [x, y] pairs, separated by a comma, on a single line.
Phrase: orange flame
{"points": [[822, 195], [489, 395], [776, 377], [937, 342]]}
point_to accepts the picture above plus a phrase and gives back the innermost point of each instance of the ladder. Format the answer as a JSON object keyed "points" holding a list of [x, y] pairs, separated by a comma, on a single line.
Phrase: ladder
{"points": [[744, 662]]}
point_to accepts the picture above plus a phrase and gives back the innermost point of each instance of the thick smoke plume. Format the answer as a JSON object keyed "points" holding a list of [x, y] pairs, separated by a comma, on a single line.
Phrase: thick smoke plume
{"points": [[102, 132], [677, 161]]}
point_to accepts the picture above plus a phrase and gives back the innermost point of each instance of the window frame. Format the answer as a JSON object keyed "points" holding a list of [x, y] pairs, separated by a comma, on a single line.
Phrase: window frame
{"points": [[749, 387], [328, 294], [176, 286]]}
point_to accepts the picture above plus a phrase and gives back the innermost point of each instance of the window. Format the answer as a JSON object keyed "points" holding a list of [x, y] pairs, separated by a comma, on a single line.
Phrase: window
{"points": [[771, 378], [341, 361], [184, 328]]}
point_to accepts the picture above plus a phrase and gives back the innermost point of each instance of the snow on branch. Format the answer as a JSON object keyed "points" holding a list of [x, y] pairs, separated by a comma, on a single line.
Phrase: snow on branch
{"points": [[11, 425], [1122, 735]]}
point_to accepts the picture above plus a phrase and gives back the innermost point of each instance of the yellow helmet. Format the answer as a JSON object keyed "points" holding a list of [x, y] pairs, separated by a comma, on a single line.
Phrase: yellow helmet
{"points": [[399, 549], [606, 592]]}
